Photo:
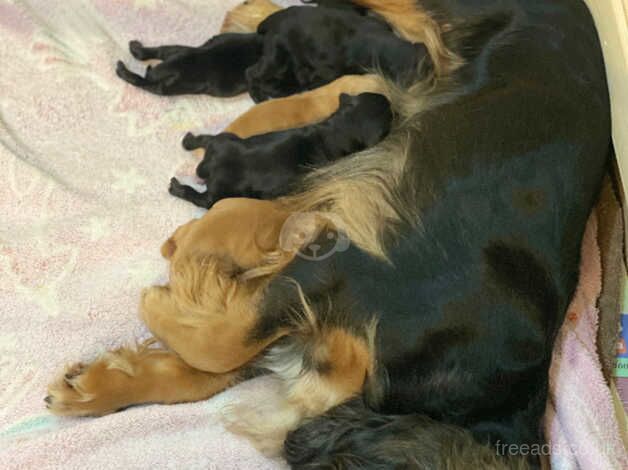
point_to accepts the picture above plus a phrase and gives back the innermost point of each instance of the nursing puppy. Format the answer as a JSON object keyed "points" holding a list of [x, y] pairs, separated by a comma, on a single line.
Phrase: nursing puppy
{"points": [[266, 166], [305, 48], [301, 48], [216, 68]]}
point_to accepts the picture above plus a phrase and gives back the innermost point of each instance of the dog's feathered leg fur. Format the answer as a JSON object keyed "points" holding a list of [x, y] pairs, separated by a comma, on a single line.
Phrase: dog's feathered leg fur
{"points": [[130, 376]]}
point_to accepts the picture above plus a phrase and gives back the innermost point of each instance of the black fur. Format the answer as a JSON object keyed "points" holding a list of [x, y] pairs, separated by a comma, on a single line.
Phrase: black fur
{"points": [[298, 48], [354, 436], [501, 176], [267, 165], [216, 68], [305, 48]]}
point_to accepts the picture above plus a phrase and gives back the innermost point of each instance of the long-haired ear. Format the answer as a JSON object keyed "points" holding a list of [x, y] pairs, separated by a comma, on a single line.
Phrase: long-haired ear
{"points": [[203, 283]]}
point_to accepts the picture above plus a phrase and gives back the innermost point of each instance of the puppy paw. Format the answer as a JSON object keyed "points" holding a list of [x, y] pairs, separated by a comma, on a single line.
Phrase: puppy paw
{"points": [[176, 188], [122, 71], [137, 50], [189, 142], [92, 390]]}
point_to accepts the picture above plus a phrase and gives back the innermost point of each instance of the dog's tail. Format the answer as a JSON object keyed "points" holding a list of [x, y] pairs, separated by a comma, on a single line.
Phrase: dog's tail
{"points": [[352, 436]]}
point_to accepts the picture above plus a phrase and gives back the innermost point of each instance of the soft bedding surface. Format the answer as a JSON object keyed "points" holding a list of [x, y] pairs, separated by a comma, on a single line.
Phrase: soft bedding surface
{"points": [[85, 161]]}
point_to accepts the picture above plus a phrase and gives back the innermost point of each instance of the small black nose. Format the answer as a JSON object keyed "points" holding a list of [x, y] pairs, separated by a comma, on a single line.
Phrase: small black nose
{"points": [[48, 399]]}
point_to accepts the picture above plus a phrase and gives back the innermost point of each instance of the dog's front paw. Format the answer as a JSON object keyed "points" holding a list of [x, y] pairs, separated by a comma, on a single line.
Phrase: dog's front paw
{"points": [[92, 390], [137, 50]]}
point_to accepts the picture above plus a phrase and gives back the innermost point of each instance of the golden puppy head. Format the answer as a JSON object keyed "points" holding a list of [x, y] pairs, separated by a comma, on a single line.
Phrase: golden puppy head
{"points": [[245, 231], [246, 17]]}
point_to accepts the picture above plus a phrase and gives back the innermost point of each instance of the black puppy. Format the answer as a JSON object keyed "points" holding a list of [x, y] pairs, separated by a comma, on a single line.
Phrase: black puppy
{"points": [[267, 165], [297, 49], [216, 68], [305, 48]]}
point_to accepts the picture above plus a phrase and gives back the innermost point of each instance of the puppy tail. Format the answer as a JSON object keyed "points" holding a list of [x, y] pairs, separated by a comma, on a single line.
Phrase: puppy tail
{"points": [[352, 436]]}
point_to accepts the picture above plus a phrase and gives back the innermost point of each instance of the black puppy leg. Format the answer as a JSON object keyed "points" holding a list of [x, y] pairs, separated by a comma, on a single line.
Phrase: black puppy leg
{"points": [[190, 194], [193, 142], [159, 86], [162, 52], [128, 76]]}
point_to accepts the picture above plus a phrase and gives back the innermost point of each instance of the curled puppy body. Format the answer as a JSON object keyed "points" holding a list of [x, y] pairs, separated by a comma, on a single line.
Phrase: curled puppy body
{"points": [[267, 165], [305, 48], [216, 68]]}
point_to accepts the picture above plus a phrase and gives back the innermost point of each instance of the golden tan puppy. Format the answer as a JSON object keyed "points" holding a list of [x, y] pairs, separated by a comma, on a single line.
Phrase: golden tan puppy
{"points": [[220, 266], [304, 108], [244, 231]]}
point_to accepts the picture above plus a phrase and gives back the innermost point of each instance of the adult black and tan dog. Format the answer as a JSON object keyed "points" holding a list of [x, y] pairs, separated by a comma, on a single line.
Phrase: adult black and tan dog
{"points": [[427, 341], [267, 166]]}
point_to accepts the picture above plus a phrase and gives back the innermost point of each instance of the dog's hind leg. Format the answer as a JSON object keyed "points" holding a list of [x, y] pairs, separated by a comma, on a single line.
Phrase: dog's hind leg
{"points": [[159, 86], [125, 74], [126, 377], [190, 194], [304, 108], [193, 142], [161, 52]]}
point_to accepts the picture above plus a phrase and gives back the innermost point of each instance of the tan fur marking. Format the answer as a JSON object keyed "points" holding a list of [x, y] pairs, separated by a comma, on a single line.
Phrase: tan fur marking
{"points": [[416, 25], [344, 361], [306, 393]]}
